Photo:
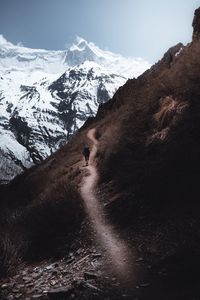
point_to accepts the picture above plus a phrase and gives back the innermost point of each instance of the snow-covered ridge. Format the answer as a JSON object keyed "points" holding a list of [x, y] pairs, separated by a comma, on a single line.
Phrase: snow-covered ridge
{"points": [[18, 57], [45, 96]]}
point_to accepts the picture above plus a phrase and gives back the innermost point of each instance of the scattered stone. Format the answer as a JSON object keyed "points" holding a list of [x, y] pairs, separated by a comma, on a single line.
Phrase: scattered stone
{"points": [[60, 292], [92, 263], [29, 285], [91, 286], [27, 279], [64, 272], [137, 287], [113, 278], [89, 275], [19, 286], [15, 290], [139, 259], [55, 273], [81, 260], [96, 255], [50, 267], [69, 260], [53, 282], [17, 296], [144, 284], [24, 273], [149, 267], [162, 273], [35, 276], [79, 251], [4, 286], [39, 296], [78, 282]]}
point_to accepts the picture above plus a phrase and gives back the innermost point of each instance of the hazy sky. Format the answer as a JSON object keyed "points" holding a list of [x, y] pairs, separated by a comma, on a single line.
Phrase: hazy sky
{"points": [[144, 28]]}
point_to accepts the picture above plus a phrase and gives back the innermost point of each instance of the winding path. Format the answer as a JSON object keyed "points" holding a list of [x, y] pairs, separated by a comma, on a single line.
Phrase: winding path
{"points": [[116, 249]]}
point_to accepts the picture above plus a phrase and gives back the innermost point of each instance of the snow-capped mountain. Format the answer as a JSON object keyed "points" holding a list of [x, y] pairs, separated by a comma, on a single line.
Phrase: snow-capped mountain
{"points": [[83, 51], [45, 96]]}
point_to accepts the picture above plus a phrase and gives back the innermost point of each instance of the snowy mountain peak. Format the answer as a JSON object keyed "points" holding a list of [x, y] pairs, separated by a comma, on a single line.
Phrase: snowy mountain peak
{"points": [[80, 42], [46, 96], [20, 58], [80, 52]]}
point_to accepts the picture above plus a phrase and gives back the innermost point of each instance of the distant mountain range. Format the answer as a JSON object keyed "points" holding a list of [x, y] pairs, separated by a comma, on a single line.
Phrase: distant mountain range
{"points": [[45, 96]]}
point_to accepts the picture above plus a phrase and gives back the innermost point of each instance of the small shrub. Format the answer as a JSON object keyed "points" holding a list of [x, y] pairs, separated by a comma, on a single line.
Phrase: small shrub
{"points": [[12, 248], [52, 221]]}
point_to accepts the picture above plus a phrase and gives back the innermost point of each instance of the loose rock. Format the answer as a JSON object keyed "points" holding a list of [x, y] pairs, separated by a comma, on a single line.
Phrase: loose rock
{"points": [[60, 292]]}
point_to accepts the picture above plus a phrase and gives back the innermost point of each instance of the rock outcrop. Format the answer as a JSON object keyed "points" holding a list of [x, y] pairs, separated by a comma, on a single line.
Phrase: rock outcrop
{"points": [[196, 23]]}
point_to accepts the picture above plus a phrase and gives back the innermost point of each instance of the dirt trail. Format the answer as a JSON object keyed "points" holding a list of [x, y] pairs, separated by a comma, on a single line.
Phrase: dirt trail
{"points": [[117, 251]]}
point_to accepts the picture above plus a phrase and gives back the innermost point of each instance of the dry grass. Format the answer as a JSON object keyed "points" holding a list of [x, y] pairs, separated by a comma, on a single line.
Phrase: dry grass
{"points": [[52, 220], [170, 110], [10, 254], [41, 229]]}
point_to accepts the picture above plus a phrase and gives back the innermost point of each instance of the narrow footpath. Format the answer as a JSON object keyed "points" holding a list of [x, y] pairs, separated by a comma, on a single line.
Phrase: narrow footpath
{"points": [[116, 249]]}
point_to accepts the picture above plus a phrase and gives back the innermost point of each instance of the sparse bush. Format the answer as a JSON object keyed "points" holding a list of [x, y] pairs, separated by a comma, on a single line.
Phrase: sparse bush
{"points": [[41, 229], [10, 255], [12, 245], [52, 221]]}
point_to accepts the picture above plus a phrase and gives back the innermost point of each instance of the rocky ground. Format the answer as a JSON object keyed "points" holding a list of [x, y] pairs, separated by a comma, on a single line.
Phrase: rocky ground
{"points": [[83, 274], [86, 273], [55, 280]]}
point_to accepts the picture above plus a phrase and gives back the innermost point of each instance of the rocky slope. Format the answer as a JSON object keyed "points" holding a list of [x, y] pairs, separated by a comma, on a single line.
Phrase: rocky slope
{"points": [[45, 96]]}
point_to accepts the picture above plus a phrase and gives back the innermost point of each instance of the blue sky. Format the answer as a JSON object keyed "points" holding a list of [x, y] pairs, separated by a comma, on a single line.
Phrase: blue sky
{"points": [[144, 28]]}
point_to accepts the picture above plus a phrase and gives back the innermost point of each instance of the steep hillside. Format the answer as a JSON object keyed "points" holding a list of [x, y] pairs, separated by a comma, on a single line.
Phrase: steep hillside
{"points": [[147, 156]]}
